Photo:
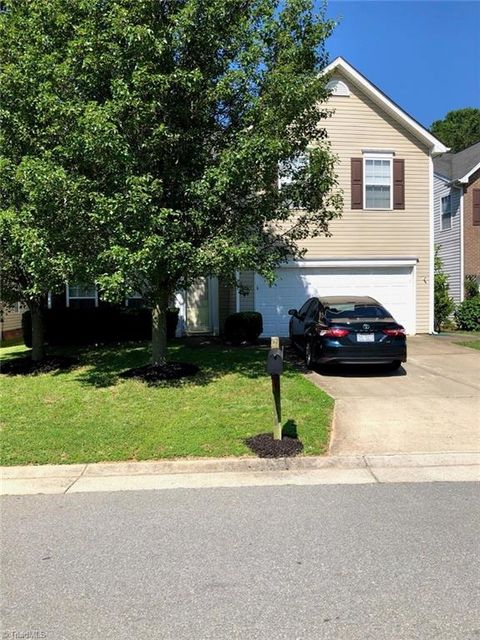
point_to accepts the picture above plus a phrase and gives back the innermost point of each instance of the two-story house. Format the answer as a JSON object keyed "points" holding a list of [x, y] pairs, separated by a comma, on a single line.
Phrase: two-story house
{"points": [[383, 246], [457, 216]]}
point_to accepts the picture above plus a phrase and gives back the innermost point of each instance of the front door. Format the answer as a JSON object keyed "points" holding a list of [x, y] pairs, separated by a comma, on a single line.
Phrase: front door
{"points": [[198, 307]]}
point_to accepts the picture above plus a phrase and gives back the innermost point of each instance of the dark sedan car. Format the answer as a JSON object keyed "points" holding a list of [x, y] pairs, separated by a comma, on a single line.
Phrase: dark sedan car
{"points": [[348, 330]]}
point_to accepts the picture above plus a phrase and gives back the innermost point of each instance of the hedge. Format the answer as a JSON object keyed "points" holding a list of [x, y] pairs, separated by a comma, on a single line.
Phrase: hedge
{"points": [[96, 326], [245, 326]]}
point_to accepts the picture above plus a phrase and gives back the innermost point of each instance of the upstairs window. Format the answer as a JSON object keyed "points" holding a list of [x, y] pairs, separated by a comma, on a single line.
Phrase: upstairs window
{"points": [[288, 169], [476, 207], [378, 183], [446, 213], [287, 172]]}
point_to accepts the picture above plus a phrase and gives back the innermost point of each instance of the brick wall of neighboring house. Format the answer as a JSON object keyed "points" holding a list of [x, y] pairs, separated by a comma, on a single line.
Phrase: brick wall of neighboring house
{"points": [[471, 231]]}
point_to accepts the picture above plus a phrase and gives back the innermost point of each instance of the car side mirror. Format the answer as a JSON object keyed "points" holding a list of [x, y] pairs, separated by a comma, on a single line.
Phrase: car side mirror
{"points": [[292, 312]]}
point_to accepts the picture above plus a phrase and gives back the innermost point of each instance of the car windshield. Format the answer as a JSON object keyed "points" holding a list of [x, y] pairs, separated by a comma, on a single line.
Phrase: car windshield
{"points": [[352, 310]]}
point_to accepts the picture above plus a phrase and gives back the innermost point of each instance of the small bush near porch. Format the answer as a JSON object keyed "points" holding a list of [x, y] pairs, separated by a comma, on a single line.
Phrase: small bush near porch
{"points": [[89, 414]]}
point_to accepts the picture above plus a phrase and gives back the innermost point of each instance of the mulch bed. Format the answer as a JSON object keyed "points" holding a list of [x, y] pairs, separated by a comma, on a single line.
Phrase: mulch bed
{"points": [[153, 374], [266, 447], [27, 367]]}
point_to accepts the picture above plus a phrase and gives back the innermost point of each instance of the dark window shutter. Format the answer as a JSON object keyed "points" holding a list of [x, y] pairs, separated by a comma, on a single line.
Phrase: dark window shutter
{"points": [[357, 183], [476, 206], [399, 184]]}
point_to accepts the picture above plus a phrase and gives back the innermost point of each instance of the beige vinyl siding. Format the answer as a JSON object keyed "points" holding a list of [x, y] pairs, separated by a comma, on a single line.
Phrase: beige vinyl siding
{"points": [[359, 124], [11, 319]]}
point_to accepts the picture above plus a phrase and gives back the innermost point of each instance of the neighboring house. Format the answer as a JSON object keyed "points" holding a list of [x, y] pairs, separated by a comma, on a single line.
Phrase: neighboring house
{"points": [[11, 321], [383, 246], [457, 216]]}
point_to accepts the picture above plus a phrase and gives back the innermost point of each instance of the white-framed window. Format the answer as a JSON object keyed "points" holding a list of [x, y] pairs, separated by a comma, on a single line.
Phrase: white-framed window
{"points": [[286, 174], [286, 170], [135, 300], [378, 181], [81, 296], [446, 205]]}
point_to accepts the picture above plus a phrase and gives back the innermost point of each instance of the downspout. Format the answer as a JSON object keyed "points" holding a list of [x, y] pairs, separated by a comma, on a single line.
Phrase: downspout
{"points": [[462, 260]]}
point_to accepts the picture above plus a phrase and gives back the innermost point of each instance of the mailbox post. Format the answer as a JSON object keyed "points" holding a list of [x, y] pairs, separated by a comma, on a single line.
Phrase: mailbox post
{"points": [[275, 369]]}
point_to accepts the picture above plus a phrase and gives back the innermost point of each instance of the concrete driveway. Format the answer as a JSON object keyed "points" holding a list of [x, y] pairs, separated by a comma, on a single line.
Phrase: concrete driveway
{"points": [[432, 404]]}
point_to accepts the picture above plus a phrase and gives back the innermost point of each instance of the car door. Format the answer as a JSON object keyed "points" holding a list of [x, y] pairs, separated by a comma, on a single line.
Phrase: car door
{"points": [[322, 321], [296, 324], [311, 319]]}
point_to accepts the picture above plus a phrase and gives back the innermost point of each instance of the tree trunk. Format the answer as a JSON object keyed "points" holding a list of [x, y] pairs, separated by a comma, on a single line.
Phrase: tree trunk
{"points": [[38, 345], [159, 329]]}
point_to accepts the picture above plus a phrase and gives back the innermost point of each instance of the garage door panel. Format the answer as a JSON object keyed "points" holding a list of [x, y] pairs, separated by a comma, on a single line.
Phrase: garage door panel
{"points": [[391, 286]]}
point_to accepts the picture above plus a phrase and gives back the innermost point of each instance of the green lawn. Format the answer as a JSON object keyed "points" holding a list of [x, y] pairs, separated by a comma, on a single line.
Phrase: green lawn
{"points": [[473, 344], [88, 414]]}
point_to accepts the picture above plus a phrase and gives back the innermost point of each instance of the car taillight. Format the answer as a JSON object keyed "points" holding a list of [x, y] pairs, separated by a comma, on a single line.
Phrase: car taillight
{"points": [[333, 332], [395, 332]]}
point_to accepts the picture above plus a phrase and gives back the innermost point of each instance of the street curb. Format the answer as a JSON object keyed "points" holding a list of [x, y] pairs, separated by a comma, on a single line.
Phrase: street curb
{"points": [[239, 465]]}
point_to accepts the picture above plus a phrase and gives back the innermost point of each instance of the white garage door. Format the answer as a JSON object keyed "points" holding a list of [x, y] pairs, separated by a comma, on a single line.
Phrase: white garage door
{"points": [[393, 287]]}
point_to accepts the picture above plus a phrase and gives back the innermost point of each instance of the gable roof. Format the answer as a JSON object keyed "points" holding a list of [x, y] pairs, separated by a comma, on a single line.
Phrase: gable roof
{"points": [[402, 117], [458, 167]]}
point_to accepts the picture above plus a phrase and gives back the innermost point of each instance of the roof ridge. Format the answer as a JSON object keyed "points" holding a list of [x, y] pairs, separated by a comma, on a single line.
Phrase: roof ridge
{"points": [[435, 144]]}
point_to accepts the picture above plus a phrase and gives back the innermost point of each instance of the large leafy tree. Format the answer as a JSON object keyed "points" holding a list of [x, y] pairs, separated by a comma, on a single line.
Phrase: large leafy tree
{"points": [[459, 129], [43, 198], [194, 105], [185, 113]]}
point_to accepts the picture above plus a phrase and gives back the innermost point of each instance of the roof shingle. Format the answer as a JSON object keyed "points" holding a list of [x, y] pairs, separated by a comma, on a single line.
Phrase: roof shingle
{"points": [[457, 165]]}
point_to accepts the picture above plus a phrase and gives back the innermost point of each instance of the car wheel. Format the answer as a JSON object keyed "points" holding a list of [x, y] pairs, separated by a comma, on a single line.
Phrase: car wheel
{"points": [[396, 364], [309, 360]]}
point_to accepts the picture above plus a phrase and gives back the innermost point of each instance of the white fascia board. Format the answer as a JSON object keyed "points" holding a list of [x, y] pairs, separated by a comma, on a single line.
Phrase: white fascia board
{"points": [[436, 147], [467, 176], [351, 262]]}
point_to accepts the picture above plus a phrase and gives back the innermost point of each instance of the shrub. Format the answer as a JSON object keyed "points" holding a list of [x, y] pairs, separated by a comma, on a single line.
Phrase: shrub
{"points": [[443, 303], [471, 287], [245, 326], [101, 325], [467, 314]]}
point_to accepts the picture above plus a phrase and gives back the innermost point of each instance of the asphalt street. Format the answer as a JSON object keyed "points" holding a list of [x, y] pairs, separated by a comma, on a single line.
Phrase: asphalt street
{"points": [[397, 561]]}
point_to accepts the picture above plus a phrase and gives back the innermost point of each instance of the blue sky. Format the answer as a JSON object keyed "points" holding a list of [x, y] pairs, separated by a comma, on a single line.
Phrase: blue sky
{"points": [[424, 55]]}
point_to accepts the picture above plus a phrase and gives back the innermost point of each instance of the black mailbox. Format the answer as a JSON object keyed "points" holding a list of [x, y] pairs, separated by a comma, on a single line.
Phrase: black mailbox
{"points": [[275, 362]]}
